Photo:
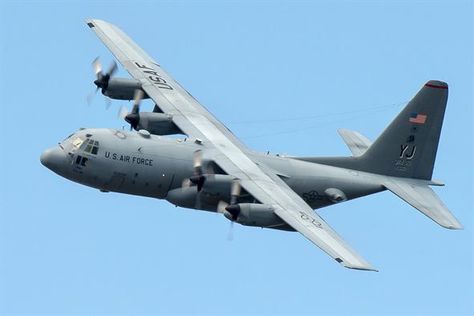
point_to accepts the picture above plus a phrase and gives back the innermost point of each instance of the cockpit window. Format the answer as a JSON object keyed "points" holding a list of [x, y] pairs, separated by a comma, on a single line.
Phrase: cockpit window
{"points": [[91, 146], [77, 142], [81, 160]]}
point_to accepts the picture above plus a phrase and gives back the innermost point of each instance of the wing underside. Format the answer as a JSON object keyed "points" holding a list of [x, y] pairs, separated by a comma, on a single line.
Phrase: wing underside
{"points": [[224, 148]]}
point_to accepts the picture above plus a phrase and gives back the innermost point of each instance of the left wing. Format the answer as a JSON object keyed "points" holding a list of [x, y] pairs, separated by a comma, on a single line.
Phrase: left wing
{"points": [[224, 148]]}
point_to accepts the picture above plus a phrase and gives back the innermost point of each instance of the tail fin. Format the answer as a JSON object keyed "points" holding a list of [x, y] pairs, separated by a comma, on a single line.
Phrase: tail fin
{"points": [[407, 147]]}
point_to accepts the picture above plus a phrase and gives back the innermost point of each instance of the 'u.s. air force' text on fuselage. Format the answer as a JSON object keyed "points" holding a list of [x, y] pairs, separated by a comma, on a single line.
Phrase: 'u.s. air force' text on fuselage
{"points": [[129, 159]]}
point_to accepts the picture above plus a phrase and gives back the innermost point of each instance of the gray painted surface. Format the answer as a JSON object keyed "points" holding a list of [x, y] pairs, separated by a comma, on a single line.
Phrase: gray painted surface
{"points": [[210, 169]]}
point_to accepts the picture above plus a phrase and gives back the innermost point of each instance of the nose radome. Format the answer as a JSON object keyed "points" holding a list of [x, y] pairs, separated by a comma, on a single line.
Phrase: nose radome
{"points": [[53, 159]]}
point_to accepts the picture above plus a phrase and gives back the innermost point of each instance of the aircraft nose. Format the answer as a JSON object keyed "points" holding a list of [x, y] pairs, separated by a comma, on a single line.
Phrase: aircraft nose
{"points": [[53, 159]]}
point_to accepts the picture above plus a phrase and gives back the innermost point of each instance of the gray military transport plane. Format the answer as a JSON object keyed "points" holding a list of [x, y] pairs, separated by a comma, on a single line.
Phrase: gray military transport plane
{"points": [[212, 170]]}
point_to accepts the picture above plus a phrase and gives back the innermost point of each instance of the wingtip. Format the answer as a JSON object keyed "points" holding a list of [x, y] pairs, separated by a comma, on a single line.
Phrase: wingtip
{"points": [[456, 226], [92, 22], [452, 224], [362, 268]]}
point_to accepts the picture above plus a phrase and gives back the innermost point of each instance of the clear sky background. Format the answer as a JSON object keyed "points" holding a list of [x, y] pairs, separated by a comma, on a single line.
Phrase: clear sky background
{"points": [[283, 75]]}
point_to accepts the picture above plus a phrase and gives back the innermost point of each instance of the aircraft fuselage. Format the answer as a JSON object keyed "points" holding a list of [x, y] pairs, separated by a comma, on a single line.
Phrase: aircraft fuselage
{"points": [[159, 167]]}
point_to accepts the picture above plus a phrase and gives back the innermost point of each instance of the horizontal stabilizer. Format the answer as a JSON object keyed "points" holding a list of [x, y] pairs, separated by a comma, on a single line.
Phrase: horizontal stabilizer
{"points": [[356, 142], [423, 198]]}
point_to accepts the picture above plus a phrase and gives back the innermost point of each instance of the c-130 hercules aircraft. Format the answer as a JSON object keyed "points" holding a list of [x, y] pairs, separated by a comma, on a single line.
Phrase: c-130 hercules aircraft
{"points": [[212, 170]]}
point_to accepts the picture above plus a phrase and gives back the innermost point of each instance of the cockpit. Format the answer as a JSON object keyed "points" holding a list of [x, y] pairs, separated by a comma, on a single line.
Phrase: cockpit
{"points": [[82, 142], [76, 149]]}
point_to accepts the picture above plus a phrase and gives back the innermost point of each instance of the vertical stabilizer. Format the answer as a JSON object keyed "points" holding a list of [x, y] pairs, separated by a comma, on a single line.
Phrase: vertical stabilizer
{"points": [[407, 147]]}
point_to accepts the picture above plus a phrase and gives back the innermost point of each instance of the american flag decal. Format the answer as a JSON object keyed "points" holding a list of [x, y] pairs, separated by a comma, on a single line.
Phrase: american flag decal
{"points": [[418, 118]]}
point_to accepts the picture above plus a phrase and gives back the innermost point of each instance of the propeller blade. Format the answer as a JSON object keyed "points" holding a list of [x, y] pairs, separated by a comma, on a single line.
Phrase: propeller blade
{"points": [[221, 207], [197, 162], [108, 103], [186, 183], [136, 101], [138, 96], [97, 66], [91, 95], [102, 80], [234, 191], [112, 69], [230, 234]]}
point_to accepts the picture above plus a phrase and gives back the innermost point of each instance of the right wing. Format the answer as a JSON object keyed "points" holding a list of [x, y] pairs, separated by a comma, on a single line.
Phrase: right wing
{"points": [[356, 142], [424, 199]]}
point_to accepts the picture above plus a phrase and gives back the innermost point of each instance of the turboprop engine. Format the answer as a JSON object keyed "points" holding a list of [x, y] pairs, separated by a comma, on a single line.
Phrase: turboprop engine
{"points": [[252, 214], [154, 122], [208, 190], [114, 88], [121, 88]]}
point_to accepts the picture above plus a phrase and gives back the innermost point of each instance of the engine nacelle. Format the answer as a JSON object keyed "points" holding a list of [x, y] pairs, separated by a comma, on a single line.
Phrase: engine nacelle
{"points": [[122, 89], [218, 185], [157, 123], [252, 214], [189, 197], [184, 197]]}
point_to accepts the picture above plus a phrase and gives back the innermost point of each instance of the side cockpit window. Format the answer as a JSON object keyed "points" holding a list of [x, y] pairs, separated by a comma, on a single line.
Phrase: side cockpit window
{"points": [[81, 160], [91, 146]]}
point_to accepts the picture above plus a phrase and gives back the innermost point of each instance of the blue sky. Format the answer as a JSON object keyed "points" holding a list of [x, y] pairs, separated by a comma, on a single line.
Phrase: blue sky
{"points": [[283, 76]]}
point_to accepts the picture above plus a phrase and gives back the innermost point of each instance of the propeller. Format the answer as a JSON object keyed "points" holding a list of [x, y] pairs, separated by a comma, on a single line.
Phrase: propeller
{"points": [[198, 179], [230, 234], [232, 210], [234, 191], [133, 117], [102, 81], [222, 209]]}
